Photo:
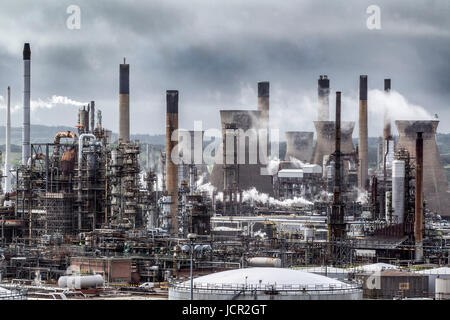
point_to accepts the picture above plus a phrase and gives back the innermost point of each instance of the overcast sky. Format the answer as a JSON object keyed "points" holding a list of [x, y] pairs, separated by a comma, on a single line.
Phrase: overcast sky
{"points": [[215, 52]]}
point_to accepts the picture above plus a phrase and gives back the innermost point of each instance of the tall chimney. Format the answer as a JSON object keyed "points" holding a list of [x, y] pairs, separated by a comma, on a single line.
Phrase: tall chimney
{"points": [[418, 210], [124, 102], [171, 167], [362, 139], [8, 144], [263, 103], [324, 94], [92, 114], [26, 147], [386, 118]]}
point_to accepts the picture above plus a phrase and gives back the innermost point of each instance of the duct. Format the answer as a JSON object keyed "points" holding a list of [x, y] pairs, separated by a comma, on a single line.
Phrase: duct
{"points": [[299, 145], [92, 113], [363, 135], [171, 167], [325, 143], [323, 93], [38, 156], [435, 184], [8, 144], [64, 134], [26, 147], [124, 103]]}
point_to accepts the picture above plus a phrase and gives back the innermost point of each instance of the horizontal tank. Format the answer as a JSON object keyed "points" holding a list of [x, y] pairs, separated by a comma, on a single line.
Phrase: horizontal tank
{"points": [[264, 262], [80, 281]]}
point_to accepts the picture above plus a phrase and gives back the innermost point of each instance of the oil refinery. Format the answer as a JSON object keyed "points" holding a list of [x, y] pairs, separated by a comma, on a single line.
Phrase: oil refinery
{"points": [[95, 215]]}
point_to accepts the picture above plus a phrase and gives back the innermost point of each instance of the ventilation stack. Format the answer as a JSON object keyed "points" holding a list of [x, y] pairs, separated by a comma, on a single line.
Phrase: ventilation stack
{"points": [[435, 184], [418, 208], [263, 103], [8, 144], [92, 116], [324, 96], [171, 167], [26, 147], [299, 145], [325, 144], [124, 103], [363, 135], [249, 173]]}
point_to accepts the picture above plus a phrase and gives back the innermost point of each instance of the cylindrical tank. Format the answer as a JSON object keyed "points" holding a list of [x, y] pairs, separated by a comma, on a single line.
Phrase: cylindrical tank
{"points": [[442, 289], [264, 262], [398, 190], [80, 281]]}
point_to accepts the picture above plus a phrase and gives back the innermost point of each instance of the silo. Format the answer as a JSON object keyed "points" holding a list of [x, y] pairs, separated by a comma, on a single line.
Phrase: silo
{"points": [[398, 190]]}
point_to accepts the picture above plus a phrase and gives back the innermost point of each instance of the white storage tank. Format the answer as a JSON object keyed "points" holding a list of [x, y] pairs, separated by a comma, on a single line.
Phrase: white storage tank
{"points": [[398, 191], [264, 262], [80, 281], [265, 284], [442, 288]]}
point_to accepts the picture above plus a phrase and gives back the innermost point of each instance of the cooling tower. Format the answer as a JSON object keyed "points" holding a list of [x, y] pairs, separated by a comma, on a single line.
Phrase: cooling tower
{"points": [[299, 144], [124, 102], [435, 183], [249, 174], [325, 143]]}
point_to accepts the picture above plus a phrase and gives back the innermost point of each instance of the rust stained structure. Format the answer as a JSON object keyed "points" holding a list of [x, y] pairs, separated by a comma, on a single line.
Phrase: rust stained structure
{"points": [[363, 135], [435, 184], [171, 167], [299, 145]]}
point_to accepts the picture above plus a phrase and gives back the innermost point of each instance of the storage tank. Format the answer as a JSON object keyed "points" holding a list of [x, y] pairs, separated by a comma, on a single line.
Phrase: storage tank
{"points": [[442, 288], [264, 262], [80, 281], [398, 190], [265, 284]]}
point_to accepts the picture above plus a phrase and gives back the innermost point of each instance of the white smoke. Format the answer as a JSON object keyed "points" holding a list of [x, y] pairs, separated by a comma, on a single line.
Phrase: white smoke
{"points": [[273, 165], [206, 187], [363, 197], [54, 100], [296, 163], [253, 196]]}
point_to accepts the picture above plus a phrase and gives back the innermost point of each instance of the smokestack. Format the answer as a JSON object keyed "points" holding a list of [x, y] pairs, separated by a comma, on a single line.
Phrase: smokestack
{"points": [[362, 139], [171, 167], [263, 103], [418, 221], [8, 144], [92, 115], [124, 102], [26, 147], [386, 118], [324, 93], [337, 225]]}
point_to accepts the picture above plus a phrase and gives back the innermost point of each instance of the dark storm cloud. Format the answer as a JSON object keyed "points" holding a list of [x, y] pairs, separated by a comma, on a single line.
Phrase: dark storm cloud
{"points": [[215, 52]]}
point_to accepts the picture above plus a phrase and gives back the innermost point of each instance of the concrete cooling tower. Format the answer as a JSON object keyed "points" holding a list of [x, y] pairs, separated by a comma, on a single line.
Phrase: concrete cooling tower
{"points": [[325, 144], [249, 174], [435, 184], [299, 144]]}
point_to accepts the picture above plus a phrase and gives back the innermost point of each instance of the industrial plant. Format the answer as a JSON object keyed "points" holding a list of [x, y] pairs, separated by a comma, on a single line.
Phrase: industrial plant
{"points": [[88, 216]]}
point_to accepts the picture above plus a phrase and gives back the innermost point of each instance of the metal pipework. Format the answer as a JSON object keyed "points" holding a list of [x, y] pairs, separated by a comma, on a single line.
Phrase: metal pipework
{"points": [[363, 134], [80, 165], [418, 221], [8, 144], [171, 167], [26, 147], [324, 94], [124, 102]]}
